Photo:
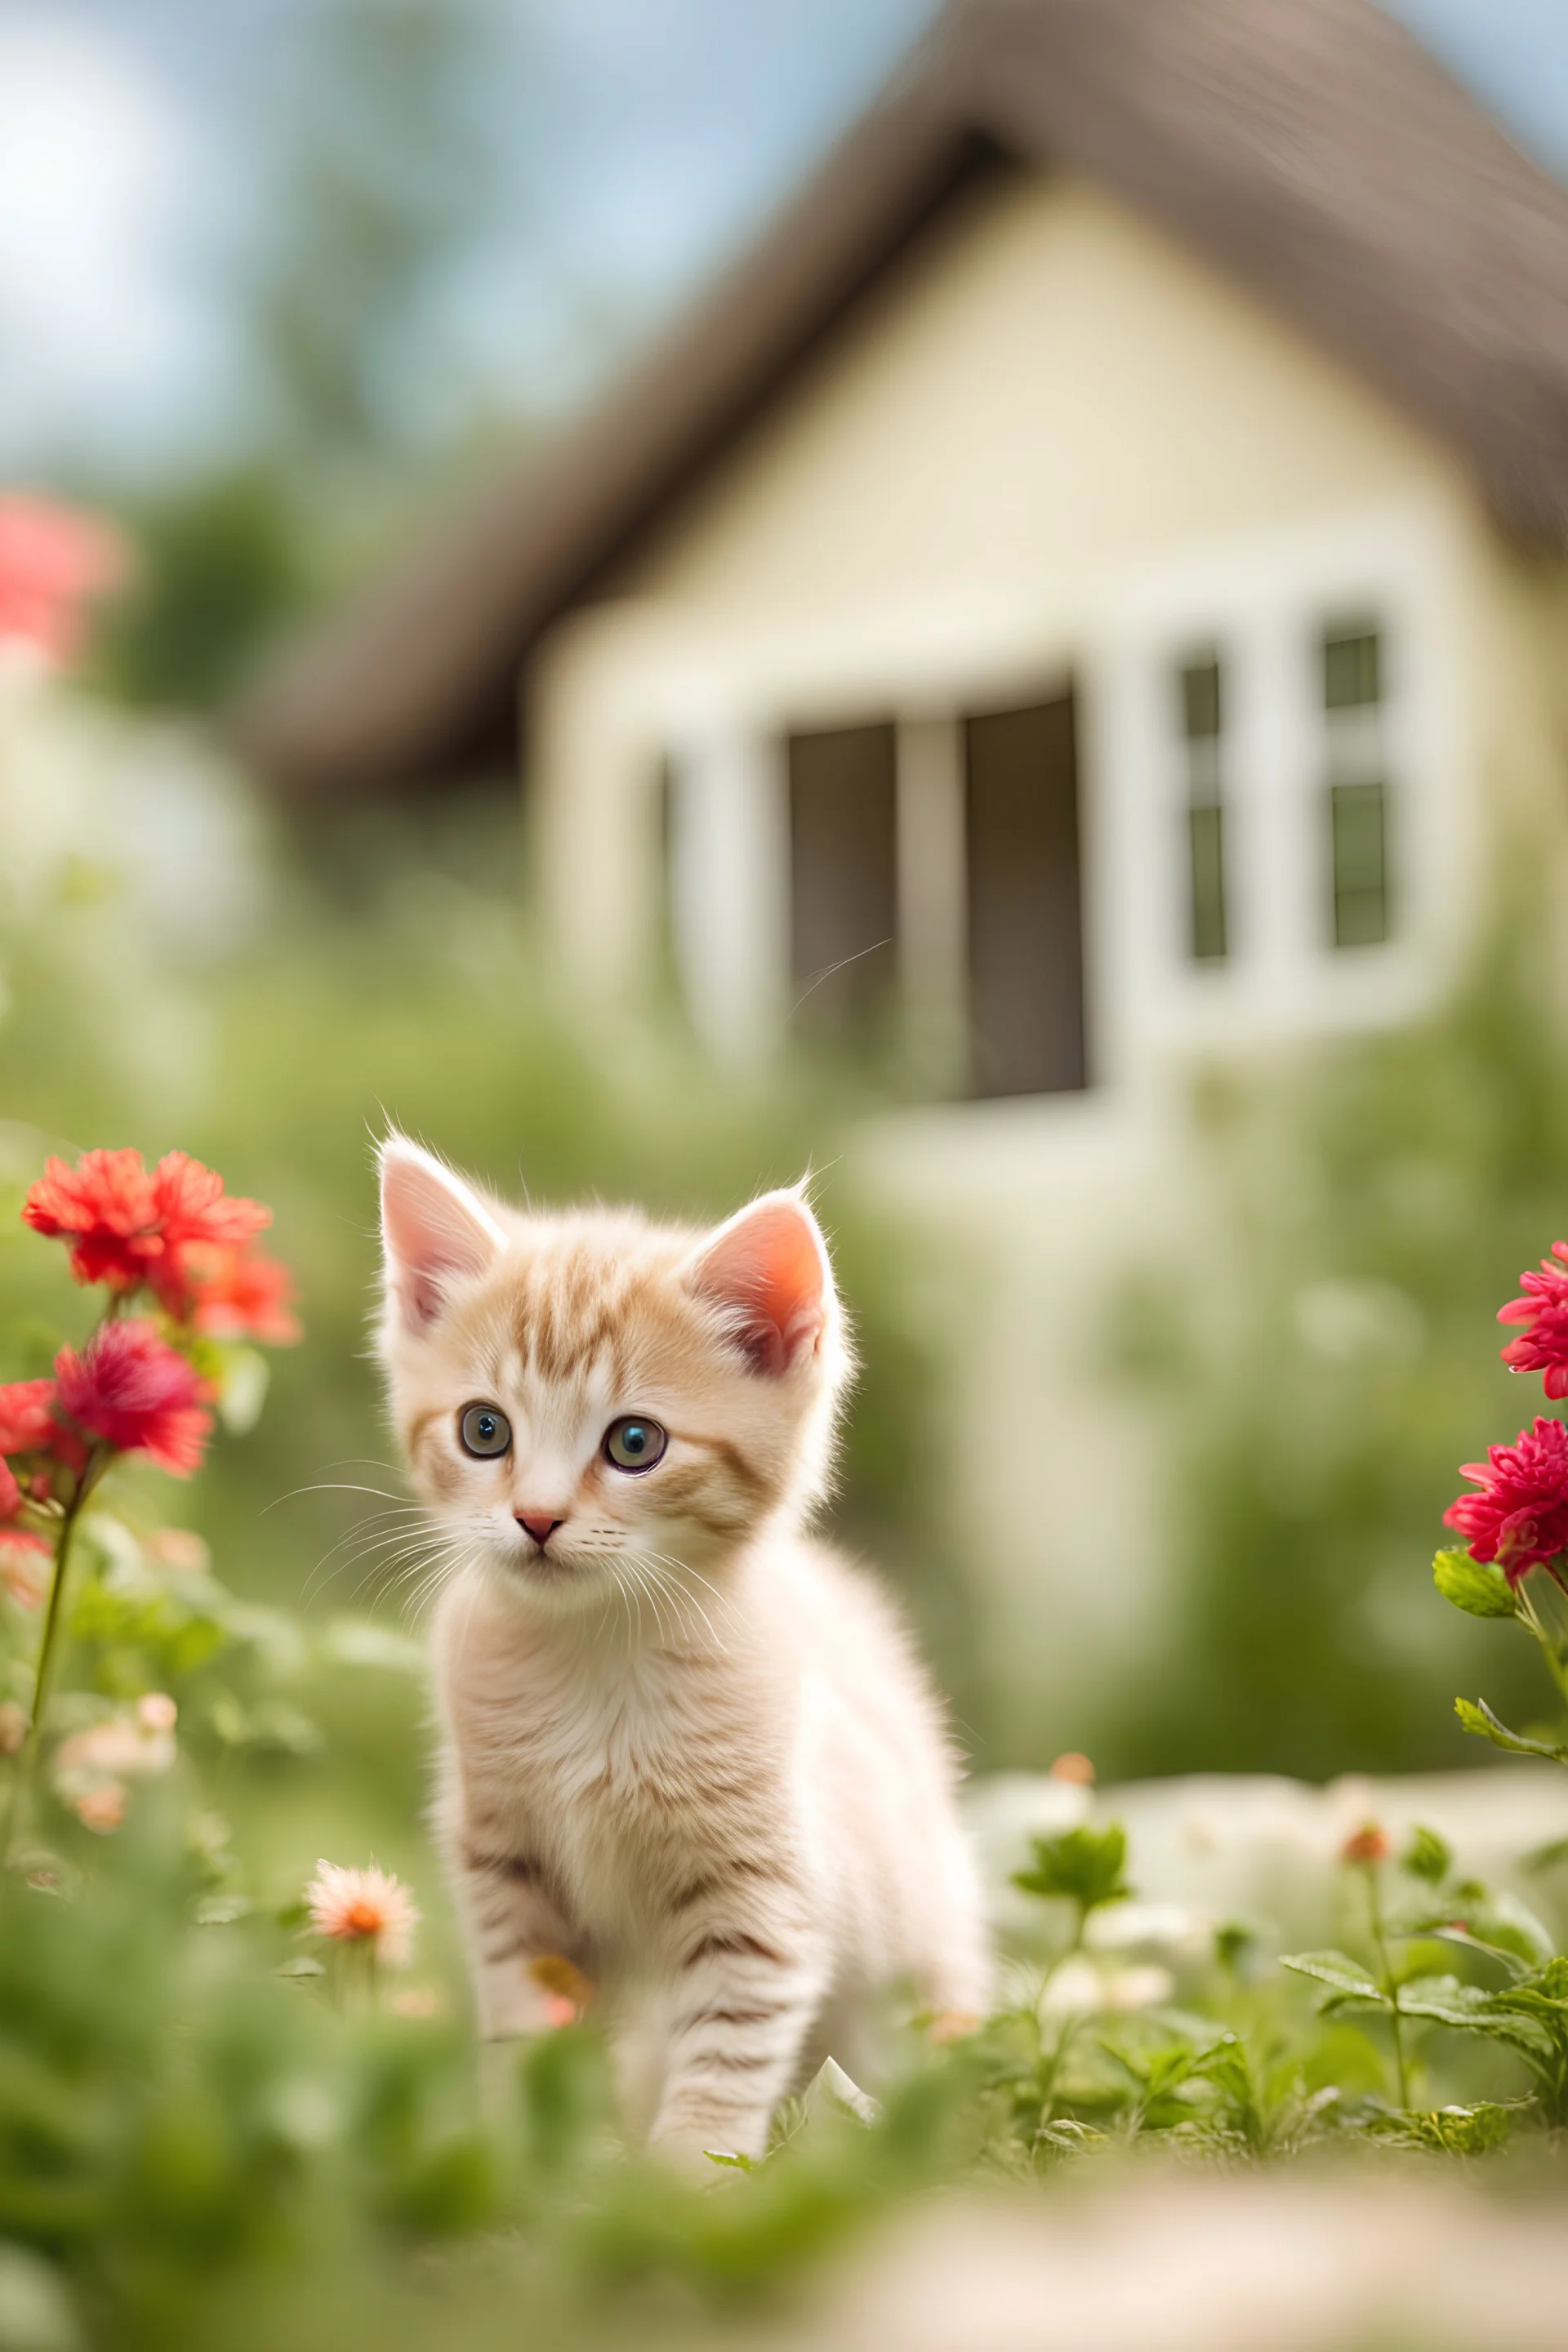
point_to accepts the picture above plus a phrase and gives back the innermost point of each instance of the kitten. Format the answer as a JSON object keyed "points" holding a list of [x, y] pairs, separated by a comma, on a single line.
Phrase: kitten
{"points": [[687, 1748]]}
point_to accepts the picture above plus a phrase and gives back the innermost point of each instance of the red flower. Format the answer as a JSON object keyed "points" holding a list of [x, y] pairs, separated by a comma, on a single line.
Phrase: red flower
{"points": [[128, 1228], [10, 1493], [242, 1295], [52, 562], [131, 1389], [1519, 1516], [27, 1416], [1542, 1346], [29, 1424], [1368, 1845]]}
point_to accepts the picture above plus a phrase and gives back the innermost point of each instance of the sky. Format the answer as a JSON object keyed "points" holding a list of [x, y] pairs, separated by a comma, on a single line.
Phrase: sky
{"points": [[650, 137]]}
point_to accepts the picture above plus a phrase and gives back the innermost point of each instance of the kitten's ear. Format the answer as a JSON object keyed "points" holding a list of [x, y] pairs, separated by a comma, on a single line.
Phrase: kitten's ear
{"points": [[768, 1267], [434, 1231]]}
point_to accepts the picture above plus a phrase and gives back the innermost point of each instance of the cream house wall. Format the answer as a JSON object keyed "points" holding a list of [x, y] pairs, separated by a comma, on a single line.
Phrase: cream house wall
{"points": [[1053, 446]]}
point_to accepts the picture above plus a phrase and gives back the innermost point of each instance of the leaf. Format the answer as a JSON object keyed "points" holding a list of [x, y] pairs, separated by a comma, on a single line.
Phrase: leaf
{"points": [[1478, 1587], [1427, 1856], [1346, 1978], [1086, 1865], [1466, 2131], [830, 2086], [1477, 1716]]}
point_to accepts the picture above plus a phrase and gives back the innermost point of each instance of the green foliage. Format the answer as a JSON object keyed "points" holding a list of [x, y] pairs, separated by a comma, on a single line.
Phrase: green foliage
{"points": [[222, 569], [1326, 1371], [1088, 1867], [1478, 1587], [1478, 1716], [1427, 1856]]}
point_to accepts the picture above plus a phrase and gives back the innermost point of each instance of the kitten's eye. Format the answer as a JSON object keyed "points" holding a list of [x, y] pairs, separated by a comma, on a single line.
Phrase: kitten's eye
{"points": [[484, 1429], [634, 1443]]}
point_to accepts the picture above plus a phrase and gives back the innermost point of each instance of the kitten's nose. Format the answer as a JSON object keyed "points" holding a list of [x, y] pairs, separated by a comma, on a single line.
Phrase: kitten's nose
{"points": [[539, 1526]]}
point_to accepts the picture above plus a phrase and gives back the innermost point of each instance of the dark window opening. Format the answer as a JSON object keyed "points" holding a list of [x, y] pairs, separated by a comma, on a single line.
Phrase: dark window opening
{"points": [[1207, 941], [843, 815], [1357, 787], [1359, 822], [1024, 911]]}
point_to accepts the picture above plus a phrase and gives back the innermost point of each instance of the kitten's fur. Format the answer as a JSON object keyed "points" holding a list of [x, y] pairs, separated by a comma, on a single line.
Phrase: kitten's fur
{"points": [[686, 1748]]}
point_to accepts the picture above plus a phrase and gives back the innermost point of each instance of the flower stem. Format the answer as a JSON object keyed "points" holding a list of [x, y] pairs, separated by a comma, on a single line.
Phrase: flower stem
{"points": [[1390, 1986], [91, 1473]]}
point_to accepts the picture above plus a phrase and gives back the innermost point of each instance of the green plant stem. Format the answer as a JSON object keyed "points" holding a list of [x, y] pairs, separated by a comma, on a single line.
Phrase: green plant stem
{"points": [[53, 1615], [1390, 1985]]}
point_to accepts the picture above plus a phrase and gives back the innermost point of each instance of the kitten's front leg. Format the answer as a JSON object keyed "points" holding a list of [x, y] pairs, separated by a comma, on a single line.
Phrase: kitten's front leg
{"points": [[513, 1918], [748, 1989]]}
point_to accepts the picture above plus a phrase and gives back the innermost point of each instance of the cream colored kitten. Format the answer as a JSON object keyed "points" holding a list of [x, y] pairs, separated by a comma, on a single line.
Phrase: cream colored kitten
{"points": [[687, 1748]]}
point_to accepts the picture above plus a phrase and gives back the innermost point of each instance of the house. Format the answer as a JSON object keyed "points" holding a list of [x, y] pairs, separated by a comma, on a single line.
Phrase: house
{"points": [[1088, 591]]}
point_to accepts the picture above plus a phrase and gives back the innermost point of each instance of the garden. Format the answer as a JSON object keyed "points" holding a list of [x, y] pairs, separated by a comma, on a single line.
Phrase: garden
{"points": [[241, 2096]]}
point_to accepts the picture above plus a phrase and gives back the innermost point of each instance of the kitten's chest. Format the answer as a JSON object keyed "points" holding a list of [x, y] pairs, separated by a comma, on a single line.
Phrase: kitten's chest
{"points": [[612, 1770]]}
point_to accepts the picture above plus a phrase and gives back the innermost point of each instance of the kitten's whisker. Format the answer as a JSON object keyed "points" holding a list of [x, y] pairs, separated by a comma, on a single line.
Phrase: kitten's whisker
{"points": [[658, 1566], [330, 1486], [665, 1563]]}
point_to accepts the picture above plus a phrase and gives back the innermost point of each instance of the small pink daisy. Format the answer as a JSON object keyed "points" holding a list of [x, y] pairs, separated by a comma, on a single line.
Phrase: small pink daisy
{"points": [[364, 1907]]}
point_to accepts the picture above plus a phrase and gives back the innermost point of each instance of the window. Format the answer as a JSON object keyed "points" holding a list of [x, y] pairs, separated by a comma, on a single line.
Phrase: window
{"points": [[1201, 720], [1025, 917], [843, 817], [1357, 788]]}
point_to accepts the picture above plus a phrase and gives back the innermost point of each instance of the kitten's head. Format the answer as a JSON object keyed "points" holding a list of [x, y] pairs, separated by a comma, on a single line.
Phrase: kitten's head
{"points": [[578, 1396]]}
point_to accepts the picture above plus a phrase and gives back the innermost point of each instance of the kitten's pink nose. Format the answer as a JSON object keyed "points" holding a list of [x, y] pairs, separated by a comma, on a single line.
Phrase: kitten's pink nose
{"points": [[539, 1526]]}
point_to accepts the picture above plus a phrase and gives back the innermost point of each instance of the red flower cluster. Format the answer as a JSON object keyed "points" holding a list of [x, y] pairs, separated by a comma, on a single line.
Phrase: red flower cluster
{"points": [[171, 1230], [133, 1390], [1543, 1345], [128, 1388], [1520, 1516]]}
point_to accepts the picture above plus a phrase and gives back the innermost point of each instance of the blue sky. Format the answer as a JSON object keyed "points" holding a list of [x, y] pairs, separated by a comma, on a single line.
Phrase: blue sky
{"points": [[651, 136]]}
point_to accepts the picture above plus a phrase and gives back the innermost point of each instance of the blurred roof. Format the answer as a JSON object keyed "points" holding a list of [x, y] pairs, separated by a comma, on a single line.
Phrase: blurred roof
{"points": [[1310, 148]]}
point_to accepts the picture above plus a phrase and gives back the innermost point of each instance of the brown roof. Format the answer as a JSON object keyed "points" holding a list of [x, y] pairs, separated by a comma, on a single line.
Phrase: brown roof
{"points": [[1311, 147]]}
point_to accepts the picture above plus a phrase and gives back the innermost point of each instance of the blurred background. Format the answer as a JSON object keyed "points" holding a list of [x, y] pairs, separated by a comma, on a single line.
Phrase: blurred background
{"points": [[664, 597]]}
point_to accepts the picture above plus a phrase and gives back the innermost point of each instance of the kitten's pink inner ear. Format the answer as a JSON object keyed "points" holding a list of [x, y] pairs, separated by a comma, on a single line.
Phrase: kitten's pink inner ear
{"points": [[768, 1267], [435, 1232]]}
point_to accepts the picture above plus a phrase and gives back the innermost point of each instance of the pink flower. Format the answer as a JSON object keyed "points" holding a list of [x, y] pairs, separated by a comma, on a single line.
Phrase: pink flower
{"points": [[132, 1746], [102, 1807], [52, 560], [1520, 1516], [24, 1564], [131, 1389], [1543, 1345], [364, 1907], [128, 1226]]}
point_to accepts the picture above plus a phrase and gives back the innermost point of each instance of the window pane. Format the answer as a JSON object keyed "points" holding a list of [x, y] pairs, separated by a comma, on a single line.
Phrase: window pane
{"points": [[1361, 870], [1199, 699], [842, 794], [1201, 714], [1026, 924], [1351, 671], [1206, 835]]}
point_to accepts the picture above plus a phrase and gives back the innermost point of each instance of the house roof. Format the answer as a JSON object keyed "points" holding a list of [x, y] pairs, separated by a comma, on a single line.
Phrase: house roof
{"points": [[1310, 148]]}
